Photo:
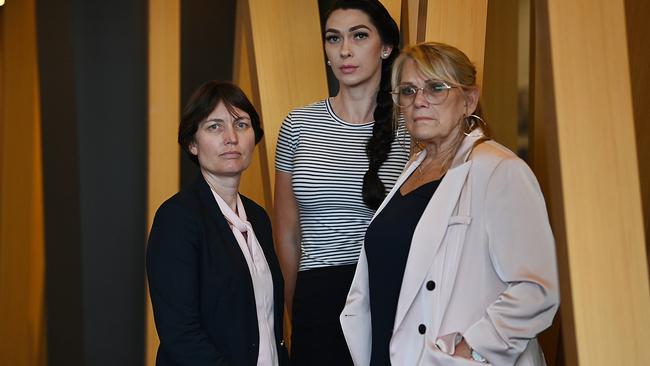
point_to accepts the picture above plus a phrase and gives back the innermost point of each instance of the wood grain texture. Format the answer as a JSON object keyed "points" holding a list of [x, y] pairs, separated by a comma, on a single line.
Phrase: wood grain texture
{"points": [[500, 89], [255, 182], [638, 39], [164, 116], [460, 23], [289, 66], [606, 249], [22, 246]]}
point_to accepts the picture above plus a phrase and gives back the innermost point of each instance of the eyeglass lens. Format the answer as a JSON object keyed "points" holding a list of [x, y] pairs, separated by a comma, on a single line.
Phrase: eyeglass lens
{"points": [[435, 92]]}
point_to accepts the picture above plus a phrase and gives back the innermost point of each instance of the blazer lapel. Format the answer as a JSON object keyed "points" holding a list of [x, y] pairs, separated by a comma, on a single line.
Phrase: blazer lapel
{"points": [[220, 222], [433, 223], [428, 236]]}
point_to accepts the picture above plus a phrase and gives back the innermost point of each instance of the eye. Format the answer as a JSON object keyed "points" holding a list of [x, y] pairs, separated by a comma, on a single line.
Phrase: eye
{"points": [[407, 90], [437, 86], [360, 35], [242, 124], [332, 38], [214, 125]]}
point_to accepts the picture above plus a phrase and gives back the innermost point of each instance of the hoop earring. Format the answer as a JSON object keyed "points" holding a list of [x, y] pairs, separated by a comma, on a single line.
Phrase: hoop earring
{"points": [[472, 122]]}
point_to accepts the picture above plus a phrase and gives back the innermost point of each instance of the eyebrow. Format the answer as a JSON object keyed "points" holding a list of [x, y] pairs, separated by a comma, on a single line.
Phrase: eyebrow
{"points": [[235, 118], [352, 29]]}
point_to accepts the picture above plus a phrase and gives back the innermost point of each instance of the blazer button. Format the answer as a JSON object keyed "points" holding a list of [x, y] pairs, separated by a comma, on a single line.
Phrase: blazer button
{"points": [[431, 285], [422, 328]]}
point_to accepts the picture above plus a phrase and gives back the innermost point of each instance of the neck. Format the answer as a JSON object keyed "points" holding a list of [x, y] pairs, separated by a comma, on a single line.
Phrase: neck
{"points": [[356, 104], [226, 187], [440, 154]]}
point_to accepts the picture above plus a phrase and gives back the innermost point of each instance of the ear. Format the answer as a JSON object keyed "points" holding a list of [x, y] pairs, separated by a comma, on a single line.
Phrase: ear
{"points": [[471, 98], [386, 49], [193, 148]]}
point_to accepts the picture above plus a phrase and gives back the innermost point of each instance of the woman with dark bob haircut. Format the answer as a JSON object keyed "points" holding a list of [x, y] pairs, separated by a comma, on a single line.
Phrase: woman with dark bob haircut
{"points": [[214, 279]]}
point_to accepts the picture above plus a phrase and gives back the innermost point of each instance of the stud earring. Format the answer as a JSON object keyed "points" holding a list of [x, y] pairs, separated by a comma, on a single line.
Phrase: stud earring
{"points": [[384, 55], [329, 63]]}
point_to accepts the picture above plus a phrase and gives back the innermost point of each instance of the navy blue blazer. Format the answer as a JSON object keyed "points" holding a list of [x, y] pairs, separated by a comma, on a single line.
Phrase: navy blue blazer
{"points": [[200, 285]]}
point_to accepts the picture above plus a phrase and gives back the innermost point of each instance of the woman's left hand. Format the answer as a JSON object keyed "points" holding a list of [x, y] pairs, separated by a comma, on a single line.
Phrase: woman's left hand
{"points": [[463, 350]]}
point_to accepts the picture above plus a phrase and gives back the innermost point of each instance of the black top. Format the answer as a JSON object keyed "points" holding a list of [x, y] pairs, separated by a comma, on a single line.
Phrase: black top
{"points": [[200, 285], [387, 245]]}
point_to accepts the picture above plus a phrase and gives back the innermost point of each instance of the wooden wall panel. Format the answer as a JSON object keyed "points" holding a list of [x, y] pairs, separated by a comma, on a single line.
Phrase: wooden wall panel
{"points": [[22, 324], [255, 183], [164, 114], [606, 253], [500, 89], [394, 7], [638, 39], [460, 23], [289, 62]]}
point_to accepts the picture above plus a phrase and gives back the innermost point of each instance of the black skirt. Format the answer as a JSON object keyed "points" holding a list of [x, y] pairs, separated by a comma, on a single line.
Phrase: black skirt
{"points": [[317, 338]]}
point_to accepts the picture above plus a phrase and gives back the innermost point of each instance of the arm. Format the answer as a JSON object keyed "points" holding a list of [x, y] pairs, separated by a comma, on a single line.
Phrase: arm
{"points": [[173, 275], [522, 251], [287, 232]]}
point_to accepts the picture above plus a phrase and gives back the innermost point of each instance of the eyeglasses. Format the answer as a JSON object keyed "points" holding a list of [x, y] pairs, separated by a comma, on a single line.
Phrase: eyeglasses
{"points": [[435, 92]]}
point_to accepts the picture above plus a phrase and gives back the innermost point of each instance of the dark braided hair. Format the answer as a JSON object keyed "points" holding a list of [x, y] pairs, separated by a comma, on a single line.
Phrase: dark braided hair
{"points": [[379, 145]]}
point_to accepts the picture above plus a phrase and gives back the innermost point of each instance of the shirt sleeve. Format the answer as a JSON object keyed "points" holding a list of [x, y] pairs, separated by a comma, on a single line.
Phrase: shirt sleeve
{"points": [[173, 275], [522, 250], [286, 146]]}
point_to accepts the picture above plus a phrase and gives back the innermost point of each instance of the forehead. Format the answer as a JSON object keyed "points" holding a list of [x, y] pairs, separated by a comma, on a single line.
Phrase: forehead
{"points": [[343, 19], [411, 72], [226, 112]]}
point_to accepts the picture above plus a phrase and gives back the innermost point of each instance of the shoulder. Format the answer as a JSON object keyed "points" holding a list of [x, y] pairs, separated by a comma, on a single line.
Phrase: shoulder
{"points": [[502, 167], [316, 109], [490, 154], [185, 203]]}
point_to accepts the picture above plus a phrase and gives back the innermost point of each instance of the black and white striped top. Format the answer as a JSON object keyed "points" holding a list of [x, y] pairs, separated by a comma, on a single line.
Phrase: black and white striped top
{"points": [[327, 159]]}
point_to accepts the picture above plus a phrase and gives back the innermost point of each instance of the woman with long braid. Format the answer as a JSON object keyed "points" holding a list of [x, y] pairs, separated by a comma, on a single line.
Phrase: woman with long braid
{"points": [[335, 161]]}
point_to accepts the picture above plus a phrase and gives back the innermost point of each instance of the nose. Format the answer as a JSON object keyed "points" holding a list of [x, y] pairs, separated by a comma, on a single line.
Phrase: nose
{"points": [[345, 48], [230, 136], [419, 100]]}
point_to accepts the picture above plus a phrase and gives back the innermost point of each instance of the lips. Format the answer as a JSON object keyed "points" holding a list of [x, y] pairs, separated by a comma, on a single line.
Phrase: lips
{"points": [[230, 155], [348, 69]]}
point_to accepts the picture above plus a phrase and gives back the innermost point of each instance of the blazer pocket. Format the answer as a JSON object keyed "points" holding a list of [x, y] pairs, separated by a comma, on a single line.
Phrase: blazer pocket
{"points": [[459, 220]]}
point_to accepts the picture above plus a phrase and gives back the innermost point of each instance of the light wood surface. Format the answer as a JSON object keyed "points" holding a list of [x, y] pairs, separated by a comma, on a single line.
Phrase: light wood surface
{"points": [[394, 7], [22, 246], [638, 39], [606, 252], [164, 115], [289, 62], [255, 183], [500, 90], [460, 23]]}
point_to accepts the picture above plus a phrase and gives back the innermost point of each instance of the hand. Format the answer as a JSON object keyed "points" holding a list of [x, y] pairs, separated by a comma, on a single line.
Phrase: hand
{"points": [[463, 350]]}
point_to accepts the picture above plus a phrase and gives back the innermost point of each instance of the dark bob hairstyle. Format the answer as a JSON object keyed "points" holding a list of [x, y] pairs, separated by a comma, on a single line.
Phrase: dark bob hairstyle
{"points": [[204, 100]]}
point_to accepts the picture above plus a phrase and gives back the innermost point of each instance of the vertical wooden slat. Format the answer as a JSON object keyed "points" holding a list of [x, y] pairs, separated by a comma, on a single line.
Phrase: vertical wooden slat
{"points": [[394, 7], [460, 23], [638, 39], [500, 89], [606, 251], [255, 183], [22, 324], [164, 114], [289, 66]]}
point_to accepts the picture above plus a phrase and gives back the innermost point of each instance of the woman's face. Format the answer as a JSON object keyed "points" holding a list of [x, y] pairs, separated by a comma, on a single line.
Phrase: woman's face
{"points": [[224, 143], [353, 47], [430, 123]]}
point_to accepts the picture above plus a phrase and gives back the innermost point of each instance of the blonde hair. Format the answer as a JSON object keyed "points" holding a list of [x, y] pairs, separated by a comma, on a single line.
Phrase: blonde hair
{"points": [[439, 61]]}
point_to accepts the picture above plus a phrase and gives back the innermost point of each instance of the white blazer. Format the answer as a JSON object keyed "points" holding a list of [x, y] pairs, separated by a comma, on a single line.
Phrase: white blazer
{"points": [[485, 241]]}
